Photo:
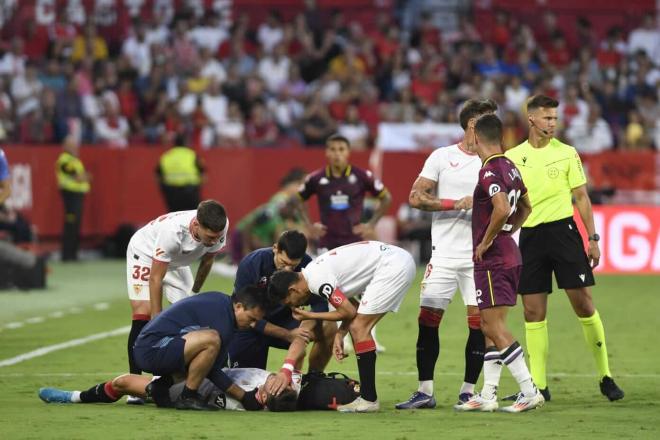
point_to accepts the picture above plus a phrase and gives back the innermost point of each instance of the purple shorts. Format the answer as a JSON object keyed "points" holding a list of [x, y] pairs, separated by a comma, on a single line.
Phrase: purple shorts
{"points": [[496, 287]]}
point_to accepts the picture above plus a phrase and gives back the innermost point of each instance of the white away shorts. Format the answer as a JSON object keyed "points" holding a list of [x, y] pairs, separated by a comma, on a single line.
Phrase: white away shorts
{"points": [[441, 279]]}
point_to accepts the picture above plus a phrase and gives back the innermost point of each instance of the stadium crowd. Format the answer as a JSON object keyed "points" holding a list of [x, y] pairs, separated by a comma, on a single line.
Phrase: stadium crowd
{"points": [[294, 82]]}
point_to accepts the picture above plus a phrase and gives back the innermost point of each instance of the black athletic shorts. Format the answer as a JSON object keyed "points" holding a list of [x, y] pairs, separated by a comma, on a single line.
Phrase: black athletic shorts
{"points": [[553, 247]]}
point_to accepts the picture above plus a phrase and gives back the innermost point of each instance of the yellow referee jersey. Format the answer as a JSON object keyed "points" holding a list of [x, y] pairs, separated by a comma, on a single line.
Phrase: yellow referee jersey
{"points": [[549, 173]]}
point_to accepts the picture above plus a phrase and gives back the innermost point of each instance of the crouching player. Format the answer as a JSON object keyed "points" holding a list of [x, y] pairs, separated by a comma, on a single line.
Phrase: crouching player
{"points": [[144, 387]]}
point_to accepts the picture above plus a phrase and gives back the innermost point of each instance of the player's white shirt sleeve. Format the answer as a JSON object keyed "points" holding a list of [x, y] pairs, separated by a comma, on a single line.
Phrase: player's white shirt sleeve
{"points": [[434, 165], [320, 278]]}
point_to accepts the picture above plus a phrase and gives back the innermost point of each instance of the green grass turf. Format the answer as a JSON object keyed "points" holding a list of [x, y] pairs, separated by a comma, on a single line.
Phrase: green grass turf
{"points": [[628, 305]]}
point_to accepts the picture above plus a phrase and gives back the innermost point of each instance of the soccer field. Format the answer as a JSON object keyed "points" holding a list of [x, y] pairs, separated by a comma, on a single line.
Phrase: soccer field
{"points": [[79, 327]]}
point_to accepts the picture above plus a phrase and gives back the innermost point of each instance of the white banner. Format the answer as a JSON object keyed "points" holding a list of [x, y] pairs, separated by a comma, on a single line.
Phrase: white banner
{"points": [[412, 137]]}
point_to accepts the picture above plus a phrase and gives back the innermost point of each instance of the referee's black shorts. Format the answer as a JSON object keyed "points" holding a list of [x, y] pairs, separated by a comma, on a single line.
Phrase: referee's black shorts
{"points": [[555, 246]]}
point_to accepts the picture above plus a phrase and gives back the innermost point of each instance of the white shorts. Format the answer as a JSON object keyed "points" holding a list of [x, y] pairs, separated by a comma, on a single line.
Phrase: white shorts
{"points": [[441, 279], [392, 279], [177, 284]]}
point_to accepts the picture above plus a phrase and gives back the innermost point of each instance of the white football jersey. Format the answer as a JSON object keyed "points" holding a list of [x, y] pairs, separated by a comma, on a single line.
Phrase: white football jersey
{"points": [[251, 378], [349, 268], [456, 173], [169, 239]]}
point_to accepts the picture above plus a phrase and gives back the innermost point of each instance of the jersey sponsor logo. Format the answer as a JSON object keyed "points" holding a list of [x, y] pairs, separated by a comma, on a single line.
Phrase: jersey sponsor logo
{"points": [[452, 164], [339, 201], [553, 172], [326, 290], [352, 179], [364, 302], [524, 160], [159, 252], [324, 181], [583, 277], [493, 189], [479, 293], [488, 174]]}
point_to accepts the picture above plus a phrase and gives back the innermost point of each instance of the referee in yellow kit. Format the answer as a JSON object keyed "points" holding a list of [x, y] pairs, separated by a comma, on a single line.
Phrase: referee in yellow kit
{"points": [[550, 242]]}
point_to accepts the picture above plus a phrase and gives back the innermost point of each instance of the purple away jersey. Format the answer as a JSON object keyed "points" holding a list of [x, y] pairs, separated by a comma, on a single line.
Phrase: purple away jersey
{"points": [[341, 200], [498, 174]]}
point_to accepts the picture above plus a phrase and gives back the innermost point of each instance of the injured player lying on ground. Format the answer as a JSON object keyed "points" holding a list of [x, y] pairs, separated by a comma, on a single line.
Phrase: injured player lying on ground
{"points": [[163, 391]]}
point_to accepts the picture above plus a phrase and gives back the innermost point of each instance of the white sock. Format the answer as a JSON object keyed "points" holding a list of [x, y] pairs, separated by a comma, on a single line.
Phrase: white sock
{"points": [[426, 387], [514, 359], [467, 388], [75, 397], [492, 372]]}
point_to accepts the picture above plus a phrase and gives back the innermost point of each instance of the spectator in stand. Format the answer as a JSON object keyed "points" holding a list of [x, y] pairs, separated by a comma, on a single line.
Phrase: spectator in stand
{"points": [[270, 33], [13, 61], [61, 34], [137, 50], [52, 76], [6, 111], [26, 90], [558, 55], [210, 67], [214, 105], [89, 44], [68, 108], [353, 129], [274, 68], [572, 106], [590, 135], [512, 130], [210, 34], [231, 133], [515, 95], [317, 124], [185, 53], [36, 40], [260, 130], [112, 128], [646, 37], [635, 136]]}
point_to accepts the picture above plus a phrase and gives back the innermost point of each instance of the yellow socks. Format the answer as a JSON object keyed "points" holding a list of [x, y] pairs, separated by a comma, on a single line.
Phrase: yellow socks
{"points": [[594, 334], [536, 335]]}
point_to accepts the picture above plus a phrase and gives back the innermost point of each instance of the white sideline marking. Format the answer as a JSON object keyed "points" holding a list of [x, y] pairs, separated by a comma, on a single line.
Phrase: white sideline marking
{"points": [[57, 314], [61, 346], [35, 320]]}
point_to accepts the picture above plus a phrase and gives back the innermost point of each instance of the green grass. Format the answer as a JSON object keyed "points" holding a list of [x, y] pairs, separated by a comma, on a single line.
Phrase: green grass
{"points": [[628, 305]]}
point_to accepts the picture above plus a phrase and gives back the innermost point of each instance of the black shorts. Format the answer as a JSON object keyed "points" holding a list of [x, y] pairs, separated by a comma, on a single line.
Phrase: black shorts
{"points": [[160, 355], [558, 247]]}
